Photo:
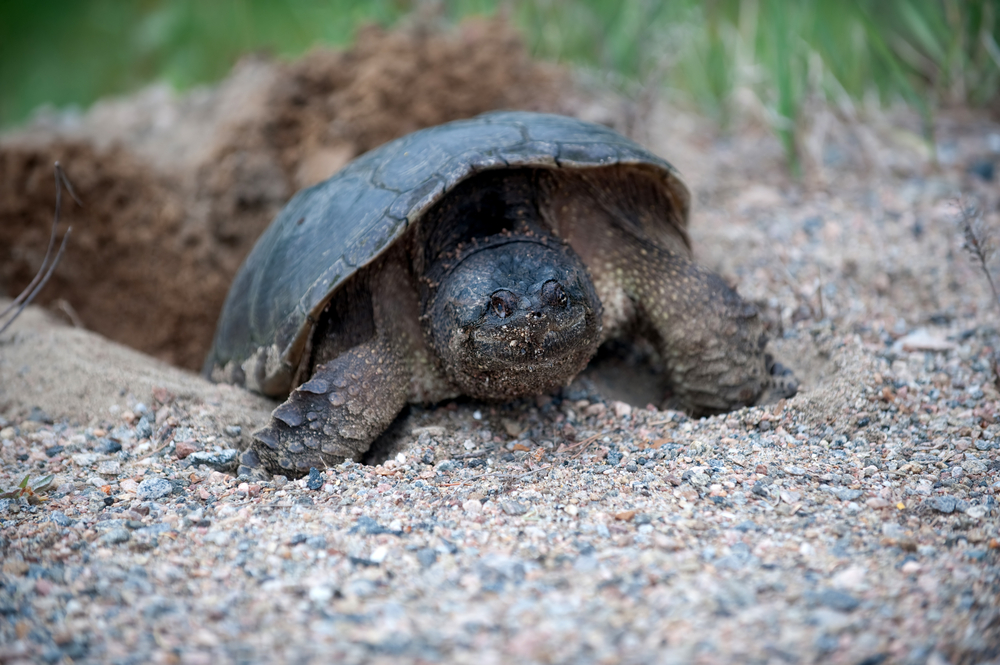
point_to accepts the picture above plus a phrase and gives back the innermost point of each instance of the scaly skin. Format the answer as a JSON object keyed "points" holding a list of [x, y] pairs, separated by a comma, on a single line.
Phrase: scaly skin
{"points": [[337, 413], [711, 339]]}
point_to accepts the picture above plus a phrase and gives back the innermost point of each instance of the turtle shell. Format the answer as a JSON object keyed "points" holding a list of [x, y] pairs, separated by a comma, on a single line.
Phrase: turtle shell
{"points": [[330, 230]]}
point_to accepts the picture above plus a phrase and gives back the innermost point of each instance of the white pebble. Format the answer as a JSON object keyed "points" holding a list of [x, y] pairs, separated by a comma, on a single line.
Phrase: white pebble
{"points": [[320, 594], [976, 512]]}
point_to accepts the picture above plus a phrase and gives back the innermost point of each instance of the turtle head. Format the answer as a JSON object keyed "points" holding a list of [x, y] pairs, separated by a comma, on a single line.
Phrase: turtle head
{"points": [[515, 317]]}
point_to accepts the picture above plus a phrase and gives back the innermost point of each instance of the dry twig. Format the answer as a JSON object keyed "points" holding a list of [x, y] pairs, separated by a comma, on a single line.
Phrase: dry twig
{"points": [[981, 243], [47, 268]]}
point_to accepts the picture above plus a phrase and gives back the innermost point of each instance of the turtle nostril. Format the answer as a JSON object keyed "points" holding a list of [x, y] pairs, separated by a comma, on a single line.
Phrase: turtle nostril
{"points": [[554, 294], [537, 315]]}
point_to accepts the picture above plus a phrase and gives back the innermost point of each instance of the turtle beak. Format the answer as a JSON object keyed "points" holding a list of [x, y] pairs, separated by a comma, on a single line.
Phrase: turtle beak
{"points": [[545, 333]]}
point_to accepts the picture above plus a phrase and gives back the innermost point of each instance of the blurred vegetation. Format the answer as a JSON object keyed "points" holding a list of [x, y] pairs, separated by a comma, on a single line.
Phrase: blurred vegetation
{"points": [[927, 53]]}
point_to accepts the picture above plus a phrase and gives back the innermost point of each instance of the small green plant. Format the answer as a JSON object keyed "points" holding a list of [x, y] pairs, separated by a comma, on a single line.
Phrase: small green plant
{"points": [[31, 491]]}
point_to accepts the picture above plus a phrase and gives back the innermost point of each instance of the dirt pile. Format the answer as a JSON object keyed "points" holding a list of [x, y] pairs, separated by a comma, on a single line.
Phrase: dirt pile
{"points": [[176, 190]]}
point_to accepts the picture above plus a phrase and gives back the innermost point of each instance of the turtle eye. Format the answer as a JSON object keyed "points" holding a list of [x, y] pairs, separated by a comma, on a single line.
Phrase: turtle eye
{"points": [[503, 303], [554, 294]]}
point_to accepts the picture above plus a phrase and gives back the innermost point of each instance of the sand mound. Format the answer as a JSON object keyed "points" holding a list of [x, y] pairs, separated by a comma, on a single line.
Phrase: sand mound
{"points": [[176, 190]]}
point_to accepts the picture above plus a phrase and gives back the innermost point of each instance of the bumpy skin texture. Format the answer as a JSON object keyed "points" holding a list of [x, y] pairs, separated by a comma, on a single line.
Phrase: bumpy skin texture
{"points": [[712, 340], [489, 258], [538, 327], [359, 378]]}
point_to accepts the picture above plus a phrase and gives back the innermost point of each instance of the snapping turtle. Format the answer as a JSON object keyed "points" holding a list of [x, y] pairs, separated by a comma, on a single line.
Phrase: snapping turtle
{"points": [[486, 257]]}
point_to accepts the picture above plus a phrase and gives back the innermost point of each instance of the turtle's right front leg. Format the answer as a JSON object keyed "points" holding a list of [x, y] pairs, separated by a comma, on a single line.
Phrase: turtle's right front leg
{"points": [[336, 414]]}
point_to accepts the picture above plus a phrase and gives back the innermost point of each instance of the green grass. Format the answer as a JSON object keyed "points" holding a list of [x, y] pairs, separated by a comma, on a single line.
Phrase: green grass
{"points": [[927, 53]]}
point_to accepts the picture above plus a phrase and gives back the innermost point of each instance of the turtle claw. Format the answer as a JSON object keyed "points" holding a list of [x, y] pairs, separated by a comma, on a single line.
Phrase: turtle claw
{"points": [[289, 413], [283, 448], [250, 465], [781, 384], [267, 436]]}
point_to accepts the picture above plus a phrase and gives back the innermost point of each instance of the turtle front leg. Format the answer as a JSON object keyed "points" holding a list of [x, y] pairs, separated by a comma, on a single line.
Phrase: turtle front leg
{"points": [[711, 339], [629, 232], [336, 414]]}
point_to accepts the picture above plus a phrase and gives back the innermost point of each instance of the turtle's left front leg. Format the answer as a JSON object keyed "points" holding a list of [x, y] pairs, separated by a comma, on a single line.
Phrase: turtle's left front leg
{"points": [[352, 394], [336, 414], [710, 338]]}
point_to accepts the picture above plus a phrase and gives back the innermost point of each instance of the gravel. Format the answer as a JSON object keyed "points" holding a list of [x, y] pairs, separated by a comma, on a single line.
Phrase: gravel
{"points": [[855, 523]]}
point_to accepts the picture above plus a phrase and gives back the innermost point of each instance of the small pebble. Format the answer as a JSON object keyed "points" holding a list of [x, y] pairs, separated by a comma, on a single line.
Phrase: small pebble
{"points": [[320, 594], [943, 504], [223, 460], [39, 416], [838, 600], [846, 494], [110, 468], [60, 518], [144, 428], [984, 168], [621, 409], [513, 508], [427, 557], [153, 488], [973, 467], [115, 536], [315, 480], [183, 449], [107, 446]]}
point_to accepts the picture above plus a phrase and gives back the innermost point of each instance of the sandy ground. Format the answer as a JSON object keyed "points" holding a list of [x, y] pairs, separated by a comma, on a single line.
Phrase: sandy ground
{"points": [[855, 523]]}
